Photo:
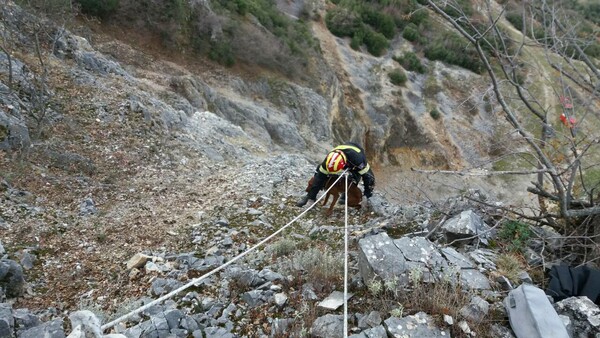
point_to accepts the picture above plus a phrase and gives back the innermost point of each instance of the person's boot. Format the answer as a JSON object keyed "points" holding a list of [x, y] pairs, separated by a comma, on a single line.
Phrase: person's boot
{"points": [[302, 201]]}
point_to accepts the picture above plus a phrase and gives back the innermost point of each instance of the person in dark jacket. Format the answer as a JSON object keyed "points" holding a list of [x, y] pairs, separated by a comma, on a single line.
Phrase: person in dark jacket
{"points": [[349, 156]]}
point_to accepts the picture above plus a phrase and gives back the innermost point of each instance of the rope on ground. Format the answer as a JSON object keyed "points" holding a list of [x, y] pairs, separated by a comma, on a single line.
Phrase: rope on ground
{"points": [[224, 265], [346, 259]]}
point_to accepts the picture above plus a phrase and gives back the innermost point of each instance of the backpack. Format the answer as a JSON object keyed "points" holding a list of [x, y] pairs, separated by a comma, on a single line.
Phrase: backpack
{"points": [[531, 315]]}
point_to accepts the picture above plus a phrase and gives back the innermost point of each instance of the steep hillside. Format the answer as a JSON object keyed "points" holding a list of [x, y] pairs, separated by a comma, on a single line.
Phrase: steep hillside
{"points": [[187, 130]]}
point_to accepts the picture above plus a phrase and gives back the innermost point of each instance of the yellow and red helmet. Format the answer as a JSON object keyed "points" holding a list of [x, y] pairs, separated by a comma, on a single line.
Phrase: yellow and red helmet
{"points": [[335, 162]]}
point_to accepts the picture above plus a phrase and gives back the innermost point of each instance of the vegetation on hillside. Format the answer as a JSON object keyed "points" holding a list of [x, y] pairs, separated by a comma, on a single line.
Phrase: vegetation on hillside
{"points": [[535, 23], [252, 32], [563, 152], [372, 24]]}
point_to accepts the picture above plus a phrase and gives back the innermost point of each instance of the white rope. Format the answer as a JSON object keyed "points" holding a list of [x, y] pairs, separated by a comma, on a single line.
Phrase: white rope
{"points": [[196, 280], [346, 260]]}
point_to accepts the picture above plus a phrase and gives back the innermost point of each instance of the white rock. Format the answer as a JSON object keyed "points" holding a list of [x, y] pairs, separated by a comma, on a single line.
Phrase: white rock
{"points": [[280, 299], [137, 261]]}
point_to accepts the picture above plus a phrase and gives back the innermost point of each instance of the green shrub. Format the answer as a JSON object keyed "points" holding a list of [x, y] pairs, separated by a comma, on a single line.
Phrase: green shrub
{"points": [[376, 42], [419, 17], [321, 265], [452, 49], [342, 22], [435, 114], [464, 5], [397, 77], [516, 234], [515, 18], [411, 32], [98, 8], [357, 41], [381, 22], [410, 61], [222, 53]]}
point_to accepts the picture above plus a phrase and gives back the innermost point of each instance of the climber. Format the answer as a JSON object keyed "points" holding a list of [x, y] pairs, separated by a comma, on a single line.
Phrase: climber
{"points": [[349, 156]]}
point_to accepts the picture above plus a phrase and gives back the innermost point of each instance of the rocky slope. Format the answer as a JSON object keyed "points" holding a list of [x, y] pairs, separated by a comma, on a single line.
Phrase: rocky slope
{"points": [[192, 164]]}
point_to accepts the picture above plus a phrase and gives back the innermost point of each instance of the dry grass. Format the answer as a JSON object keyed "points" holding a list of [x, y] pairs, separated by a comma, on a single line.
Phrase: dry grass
{"points": [[509, 265]]}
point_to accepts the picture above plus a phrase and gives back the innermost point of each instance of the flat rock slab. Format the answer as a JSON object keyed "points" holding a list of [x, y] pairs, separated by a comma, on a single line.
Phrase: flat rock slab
{"points": [[334, 301]]}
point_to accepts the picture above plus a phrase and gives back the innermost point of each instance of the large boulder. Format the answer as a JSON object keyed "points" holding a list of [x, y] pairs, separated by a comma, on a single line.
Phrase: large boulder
{"points": [[328, 326], [7, 322], [14, 134], [378, 256], [11, 278], [584, 316], [51, 329], [385, 258], [466, 225]]}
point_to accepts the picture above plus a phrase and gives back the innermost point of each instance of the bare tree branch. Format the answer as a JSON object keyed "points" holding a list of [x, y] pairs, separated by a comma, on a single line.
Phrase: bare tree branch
{"points": [[481, 172]]}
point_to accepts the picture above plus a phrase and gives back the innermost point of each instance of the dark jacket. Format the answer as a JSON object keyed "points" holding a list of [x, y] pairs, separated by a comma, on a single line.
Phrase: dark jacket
{"points": [[356, 163]]}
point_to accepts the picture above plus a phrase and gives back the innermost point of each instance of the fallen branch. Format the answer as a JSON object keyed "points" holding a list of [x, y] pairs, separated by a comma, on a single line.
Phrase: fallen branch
{"points": [[481, 172]]}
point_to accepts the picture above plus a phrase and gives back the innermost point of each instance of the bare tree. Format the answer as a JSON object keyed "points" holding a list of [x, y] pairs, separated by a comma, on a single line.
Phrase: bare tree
{"points": [[561, 159], [34, 94]]}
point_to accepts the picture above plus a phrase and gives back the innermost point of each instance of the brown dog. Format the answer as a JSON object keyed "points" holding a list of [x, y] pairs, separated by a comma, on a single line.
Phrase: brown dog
{"points": [[354, 195]]}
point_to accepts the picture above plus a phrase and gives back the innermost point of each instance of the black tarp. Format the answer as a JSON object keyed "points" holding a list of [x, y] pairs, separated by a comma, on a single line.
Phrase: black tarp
{"points": [[566, 281]]}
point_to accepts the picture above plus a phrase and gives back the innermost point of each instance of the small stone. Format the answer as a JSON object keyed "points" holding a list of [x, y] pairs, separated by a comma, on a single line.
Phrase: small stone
{"points": [[137, 261], [213, 251], [449, 320], [464, 326], [227, 241], [134, 273], [525, 278], [87, 207], [280, 299]]}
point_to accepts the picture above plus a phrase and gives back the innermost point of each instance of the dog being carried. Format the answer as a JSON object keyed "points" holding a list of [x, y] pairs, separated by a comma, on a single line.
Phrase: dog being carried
{"points": [[348, 156]]}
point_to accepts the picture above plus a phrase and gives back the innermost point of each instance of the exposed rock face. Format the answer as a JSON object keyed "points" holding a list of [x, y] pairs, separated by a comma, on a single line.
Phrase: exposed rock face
{"points": [[385, 258], [583, 314], [380, 257]]}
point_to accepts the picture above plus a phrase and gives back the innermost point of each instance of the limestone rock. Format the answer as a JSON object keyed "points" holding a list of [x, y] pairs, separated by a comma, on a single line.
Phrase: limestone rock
{"points": [[334, 300], [51, 329], [328, 326], [11, 278], [379, 256], [418, 325], [584, 315], [7, 322], [14, 134], [375, 332], [137, 261], [465, 225]]}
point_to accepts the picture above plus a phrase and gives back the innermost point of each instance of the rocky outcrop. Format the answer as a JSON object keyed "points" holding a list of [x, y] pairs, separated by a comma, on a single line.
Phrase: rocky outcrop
{"points": [[583, 316], [381, 257]]}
